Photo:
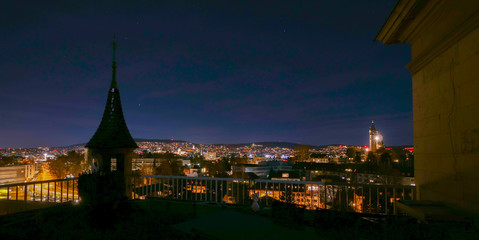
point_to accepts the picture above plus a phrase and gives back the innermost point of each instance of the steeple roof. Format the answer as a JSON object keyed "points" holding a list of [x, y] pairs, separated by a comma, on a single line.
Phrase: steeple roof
{"points": [[113, 131]]}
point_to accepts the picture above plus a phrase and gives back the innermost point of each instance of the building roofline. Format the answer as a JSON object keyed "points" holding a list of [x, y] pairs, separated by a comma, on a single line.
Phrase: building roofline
{"points": [[402, 14]]}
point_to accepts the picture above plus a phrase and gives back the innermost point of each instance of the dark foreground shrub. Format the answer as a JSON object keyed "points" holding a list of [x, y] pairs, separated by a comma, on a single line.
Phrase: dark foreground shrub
{"points": [[101, 188], [287, 214]]}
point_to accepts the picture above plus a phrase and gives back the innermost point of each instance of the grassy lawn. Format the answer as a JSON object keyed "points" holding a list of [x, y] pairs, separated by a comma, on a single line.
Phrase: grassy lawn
{"points": [[129, 220], [163, 219]]}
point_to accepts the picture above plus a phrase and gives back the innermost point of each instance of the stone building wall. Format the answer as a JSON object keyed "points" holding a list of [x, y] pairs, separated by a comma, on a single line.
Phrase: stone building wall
{"points": [[444, 39], [446, 124]]}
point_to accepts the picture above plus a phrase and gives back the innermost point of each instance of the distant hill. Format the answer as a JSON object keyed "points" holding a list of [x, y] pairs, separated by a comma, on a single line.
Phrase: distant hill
{"points": [[268, 144], [235, 145], [156, 140], [136, 140], [399, 147], [71, 146]]}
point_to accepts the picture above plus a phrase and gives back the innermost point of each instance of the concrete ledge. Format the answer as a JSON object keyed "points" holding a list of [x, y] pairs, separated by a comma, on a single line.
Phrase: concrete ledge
{"points": [[14, 206], [430, 211]]}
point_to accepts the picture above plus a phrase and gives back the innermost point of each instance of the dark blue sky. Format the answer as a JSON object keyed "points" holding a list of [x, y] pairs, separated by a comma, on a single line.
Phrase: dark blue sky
{"points": [[203, 71]]}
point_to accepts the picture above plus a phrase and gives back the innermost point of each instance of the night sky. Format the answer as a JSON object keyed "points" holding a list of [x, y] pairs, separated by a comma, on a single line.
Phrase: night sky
{"points": [[203, 71]]}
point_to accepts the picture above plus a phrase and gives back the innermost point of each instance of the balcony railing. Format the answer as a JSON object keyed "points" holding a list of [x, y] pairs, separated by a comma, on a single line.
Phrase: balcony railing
{"points": [[363, 198], [59, 190]]}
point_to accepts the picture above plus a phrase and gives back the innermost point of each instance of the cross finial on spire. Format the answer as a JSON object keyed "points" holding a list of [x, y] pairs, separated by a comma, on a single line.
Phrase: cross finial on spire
{"points": [[113, 66], [114, 47]]}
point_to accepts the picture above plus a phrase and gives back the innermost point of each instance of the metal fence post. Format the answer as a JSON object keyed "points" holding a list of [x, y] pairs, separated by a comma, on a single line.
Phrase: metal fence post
{"points": [[67, 190], [370, 192], [347, 197], [25, 193], [216, 190], [61, 191], [377, 200], [177, 188], [394, 202], [75, 185], [385, 200], [211, 190]]}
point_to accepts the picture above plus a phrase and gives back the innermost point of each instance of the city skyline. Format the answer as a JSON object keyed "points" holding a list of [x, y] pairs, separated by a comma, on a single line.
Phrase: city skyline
{"points": [[294, 81], [239, 119]]}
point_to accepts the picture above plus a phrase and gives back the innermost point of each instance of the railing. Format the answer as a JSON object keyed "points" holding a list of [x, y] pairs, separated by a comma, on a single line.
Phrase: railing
{"points": [[59, 190], [363, 198]]}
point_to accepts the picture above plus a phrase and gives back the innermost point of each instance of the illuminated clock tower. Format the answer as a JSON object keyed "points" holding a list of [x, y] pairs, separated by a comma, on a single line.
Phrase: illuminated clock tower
{"points": [[375, 139]]}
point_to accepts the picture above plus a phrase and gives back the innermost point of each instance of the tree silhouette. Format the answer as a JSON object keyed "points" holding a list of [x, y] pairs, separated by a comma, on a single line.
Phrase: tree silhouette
{"points": [[196, 159], [6, 160], [218, 168], [357, 158], [238, 160], [351, 152], [73, 163], [169, 165], [385, 159], [301, 154], [372, 158]]}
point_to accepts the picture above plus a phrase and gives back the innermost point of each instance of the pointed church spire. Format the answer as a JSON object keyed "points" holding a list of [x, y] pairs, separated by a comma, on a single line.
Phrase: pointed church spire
{"points": [[113, 132], [114, 84]]}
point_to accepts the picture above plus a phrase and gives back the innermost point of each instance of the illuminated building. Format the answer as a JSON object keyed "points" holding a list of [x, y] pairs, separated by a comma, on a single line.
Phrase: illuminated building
{"points": [[375, 139], [210, 156], [262, 170], [16, 173]]}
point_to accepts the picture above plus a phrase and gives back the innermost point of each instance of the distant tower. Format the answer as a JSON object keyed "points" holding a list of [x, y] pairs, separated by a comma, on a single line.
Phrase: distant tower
{"points": [[375, 139], [112, 140]]}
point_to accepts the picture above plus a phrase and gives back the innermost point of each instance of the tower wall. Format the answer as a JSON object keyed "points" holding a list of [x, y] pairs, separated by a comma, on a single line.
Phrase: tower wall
{"points": [[444, 37]]}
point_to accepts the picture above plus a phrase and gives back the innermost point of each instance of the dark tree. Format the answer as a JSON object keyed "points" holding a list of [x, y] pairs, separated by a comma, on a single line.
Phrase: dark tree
{"points": [[238, 160], [385, 159], [146, 154], [351, 152], [73, 163], [218, 168], [301, 154], [196, 159], [4, 161], [372, 158], [169, 165], [357, 158], [318, 155]]}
